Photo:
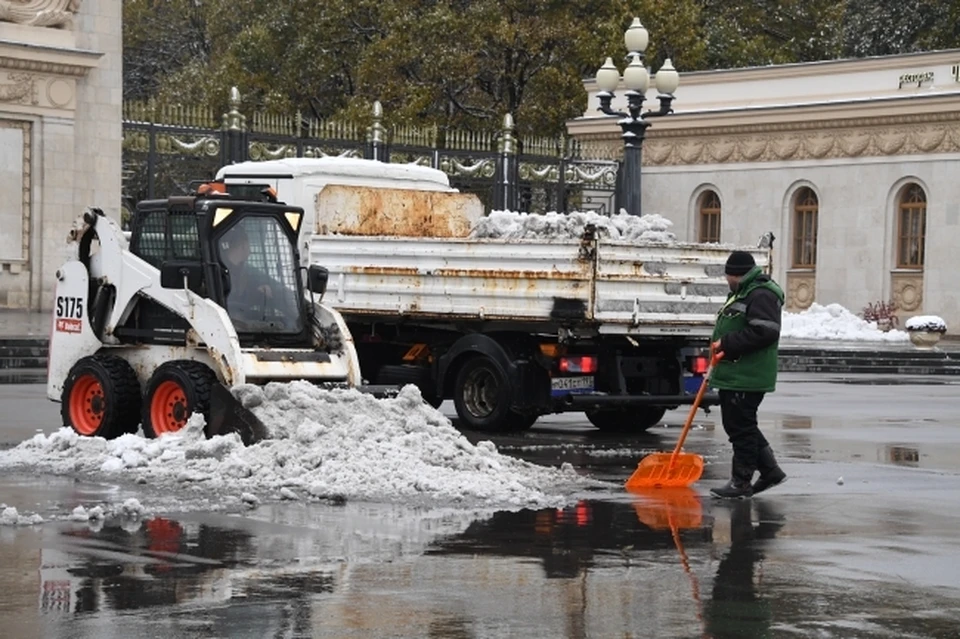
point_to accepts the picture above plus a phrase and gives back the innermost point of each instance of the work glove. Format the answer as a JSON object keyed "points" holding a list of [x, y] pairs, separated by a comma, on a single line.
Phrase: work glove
{"points": [[717, 349]]}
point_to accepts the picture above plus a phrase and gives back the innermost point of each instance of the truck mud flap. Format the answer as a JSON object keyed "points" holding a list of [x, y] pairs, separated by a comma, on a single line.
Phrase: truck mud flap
{"points": [[227, 415]]}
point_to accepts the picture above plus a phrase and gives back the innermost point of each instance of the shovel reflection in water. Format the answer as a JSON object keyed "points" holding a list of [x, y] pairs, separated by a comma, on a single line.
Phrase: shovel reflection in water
{"points": [[673, 509]]}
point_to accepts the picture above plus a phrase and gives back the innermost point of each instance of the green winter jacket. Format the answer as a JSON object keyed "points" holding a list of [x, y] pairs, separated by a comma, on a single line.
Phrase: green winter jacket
{"points": [[748, 327]]}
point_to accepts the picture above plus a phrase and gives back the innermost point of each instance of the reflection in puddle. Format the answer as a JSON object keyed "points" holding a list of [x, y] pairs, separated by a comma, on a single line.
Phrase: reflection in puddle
{"points": [[740, 606], [161, 562], [663, 563], [908, 442], [903, 456]]}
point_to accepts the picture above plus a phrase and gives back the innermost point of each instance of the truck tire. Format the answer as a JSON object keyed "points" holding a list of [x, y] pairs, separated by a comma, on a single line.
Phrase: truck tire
{"points": [[175, 391], [626, 420], [519, 421], [482, 395], [101, 397]]}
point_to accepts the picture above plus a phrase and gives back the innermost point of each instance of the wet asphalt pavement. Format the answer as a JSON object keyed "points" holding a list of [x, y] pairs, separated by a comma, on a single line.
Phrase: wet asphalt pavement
{"points": [[862, 541]]}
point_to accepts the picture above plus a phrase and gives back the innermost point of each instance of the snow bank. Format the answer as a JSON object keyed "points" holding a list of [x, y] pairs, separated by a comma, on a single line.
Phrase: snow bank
{"points": [[834, 322], [325, 444], [622, 226]]}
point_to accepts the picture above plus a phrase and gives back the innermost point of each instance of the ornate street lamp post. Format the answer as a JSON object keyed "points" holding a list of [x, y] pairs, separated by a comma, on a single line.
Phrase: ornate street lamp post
{"points": [[634, 123]]}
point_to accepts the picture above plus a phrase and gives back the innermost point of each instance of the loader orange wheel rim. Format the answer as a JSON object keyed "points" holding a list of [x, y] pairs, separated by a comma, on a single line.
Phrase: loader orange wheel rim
{"points": [[87, 404], [168, 408]]}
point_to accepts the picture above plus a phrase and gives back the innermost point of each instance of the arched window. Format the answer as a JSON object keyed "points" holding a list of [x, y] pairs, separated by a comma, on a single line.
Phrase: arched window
{"points": [[709, 217], [805, 210], [911, 227]]}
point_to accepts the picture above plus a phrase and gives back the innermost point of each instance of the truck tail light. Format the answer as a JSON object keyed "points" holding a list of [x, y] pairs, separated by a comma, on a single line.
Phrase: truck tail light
{"points": [[699, 364], [585, 364]]}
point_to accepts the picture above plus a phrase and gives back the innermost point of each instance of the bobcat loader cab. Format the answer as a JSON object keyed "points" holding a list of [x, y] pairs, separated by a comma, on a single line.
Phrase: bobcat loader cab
{"points": [[209, 294]]}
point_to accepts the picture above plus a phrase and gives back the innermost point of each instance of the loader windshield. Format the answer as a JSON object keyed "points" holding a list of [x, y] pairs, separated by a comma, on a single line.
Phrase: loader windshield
{"points": [[260, 277]]}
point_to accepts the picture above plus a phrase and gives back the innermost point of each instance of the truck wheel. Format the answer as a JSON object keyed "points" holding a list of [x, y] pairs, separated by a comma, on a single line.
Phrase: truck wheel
{"points": [[482, 395], [519, 421], [620, 420], [101, 397], [176, 390]]}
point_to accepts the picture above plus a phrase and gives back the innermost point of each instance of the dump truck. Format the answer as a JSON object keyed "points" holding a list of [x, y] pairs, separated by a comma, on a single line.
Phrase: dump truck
{"points": [[207, 294], [509, 329]]}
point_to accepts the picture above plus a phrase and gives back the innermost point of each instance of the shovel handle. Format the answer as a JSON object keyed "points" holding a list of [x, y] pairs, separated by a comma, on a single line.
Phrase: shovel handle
{"points": [[715, 358]]}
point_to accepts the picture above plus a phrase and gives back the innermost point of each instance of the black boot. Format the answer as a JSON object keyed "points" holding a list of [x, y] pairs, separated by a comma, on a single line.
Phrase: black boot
{"points": [[770, 473], [739, 485]]}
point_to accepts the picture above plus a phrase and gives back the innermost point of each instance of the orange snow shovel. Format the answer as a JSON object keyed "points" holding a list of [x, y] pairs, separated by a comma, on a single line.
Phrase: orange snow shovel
{"points": [[669, 470]]}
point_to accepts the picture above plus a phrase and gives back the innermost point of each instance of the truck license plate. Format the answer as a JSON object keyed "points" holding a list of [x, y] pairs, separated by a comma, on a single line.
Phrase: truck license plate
{"points": [[564, 385]]}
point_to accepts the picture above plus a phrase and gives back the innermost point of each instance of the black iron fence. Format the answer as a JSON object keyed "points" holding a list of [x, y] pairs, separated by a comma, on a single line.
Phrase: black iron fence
{"points": [[165, 148]]}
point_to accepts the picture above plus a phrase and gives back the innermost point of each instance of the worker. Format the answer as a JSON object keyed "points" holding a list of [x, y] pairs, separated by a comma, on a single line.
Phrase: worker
{"points": [[249, 291], [747, 337]]}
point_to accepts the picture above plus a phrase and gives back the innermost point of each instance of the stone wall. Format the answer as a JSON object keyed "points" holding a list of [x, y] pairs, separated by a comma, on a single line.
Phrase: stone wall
{"points": [[60, 133]]}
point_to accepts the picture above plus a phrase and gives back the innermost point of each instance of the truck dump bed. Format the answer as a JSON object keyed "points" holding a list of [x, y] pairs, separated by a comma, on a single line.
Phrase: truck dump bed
{"points": [[611, 286]]}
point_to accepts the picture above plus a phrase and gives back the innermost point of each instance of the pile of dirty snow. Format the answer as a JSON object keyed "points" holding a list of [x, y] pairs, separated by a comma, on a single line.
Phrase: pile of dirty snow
{"points": [[10, 516], [324, 444], [834, 322], [510, 225]]}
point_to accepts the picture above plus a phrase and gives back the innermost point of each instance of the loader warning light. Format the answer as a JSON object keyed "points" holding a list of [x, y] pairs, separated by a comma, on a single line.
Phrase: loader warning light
{"points": [[220, 215], [586, 364], [212, 188], [293, 219]]}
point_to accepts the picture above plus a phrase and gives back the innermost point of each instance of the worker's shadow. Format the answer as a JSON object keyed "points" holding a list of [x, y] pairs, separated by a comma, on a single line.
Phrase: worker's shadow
{"points": [[739, 607]]}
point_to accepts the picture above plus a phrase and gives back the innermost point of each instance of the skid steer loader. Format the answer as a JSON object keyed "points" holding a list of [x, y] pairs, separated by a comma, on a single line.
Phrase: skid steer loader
{"points": [[209, 293]]}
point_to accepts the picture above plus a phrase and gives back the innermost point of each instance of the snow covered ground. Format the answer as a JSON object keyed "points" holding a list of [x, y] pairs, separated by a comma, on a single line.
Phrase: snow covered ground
{"points": [[324, 445]]}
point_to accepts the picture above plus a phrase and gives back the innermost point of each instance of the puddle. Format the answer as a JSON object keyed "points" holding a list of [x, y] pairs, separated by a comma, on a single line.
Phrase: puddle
{"points": [[670, 560]]}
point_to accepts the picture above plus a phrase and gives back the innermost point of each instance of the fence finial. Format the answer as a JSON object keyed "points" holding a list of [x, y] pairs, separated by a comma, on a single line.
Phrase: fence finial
{"points": [[233, 120], [376, 134], [508, 143]]}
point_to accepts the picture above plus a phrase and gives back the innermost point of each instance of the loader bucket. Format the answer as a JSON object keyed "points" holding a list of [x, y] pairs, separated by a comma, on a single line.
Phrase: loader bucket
{"points": [[227, 415]]}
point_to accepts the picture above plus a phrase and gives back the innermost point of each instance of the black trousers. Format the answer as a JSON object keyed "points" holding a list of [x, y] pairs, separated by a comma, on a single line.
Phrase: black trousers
{"points": [[739, 414]]}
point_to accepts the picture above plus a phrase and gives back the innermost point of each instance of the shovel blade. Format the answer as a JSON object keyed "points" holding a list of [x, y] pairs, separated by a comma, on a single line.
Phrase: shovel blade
{"points": [[227, 415], [656, 471]]}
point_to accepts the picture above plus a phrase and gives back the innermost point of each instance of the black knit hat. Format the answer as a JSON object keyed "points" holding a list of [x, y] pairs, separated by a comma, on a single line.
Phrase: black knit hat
{"points": [[739, 263]]}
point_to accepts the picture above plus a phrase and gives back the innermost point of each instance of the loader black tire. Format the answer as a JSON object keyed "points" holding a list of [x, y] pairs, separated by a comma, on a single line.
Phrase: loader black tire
{"points": [[101, 397], [625, 421], [482, 395], [175, 391]]}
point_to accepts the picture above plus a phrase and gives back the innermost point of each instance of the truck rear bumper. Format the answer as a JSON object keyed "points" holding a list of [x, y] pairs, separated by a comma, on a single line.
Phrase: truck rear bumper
{"points": [[586, 401]]}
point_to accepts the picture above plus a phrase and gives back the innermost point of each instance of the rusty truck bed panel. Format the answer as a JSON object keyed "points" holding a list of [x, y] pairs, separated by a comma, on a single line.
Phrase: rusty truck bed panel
{"points": [[355, 210], [452, 278], [620, 288], [668, 288]]}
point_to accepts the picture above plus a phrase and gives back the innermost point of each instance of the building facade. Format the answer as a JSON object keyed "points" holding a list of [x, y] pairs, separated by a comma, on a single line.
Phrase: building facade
{"points": [[60, 133], [853, 164]]}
